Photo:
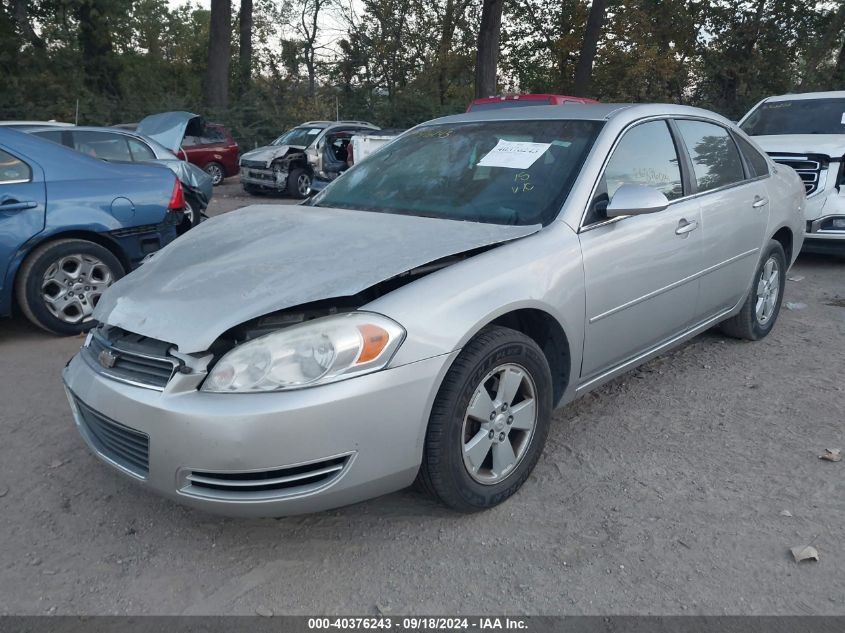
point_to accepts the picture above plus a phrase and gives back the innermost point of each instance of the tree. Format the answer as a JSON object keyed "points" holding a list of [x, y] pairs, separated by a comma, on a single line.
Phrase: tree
{"points": [[487, 61], [219, 55], [308, 30], [584, 68], [245, 44]]}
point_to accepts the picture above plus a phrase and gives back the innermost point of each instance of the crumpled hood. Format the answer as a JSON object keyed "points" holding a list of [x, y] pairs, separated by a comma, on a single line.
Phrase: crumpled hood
{"points": [[260, 259], [832, 145], [168, 128], [269, 153]]}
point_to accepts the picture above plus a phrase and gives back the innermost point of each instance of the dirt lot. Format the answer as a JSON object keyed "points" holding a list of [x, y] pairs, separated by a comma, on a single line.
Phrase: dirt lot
{"points": [[662, 493]]}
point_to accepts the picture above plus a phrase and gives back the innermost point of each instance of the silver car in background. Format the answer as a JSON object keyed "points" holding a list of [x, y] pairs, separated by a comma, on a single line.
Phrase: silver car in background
{"points": [[422, 316]]}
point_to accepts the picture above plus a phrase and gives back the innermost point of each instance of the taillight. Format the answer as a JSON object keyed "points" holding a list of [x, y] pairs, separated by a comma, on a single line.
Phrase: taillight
{"points": [[177, 198]]}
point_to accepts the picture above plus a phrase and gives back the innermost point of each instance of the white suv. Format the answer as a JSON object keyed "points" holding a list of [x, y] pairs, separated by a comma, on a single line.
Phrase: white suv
{"points": [[807, 133]]}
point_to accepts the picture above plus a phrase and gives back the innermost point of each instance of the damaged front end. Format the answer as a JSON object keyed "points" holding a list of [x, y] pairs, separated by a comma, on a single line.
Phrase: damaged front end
{"points": [[270, 167]]}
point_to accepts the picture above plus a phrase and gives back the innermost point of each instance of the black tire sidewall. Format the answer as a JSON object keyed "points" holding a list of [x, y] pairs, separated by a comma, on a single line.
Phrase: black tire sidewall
{"points": [[463, 381], [759, 330], [293, 177], [43, 260]]}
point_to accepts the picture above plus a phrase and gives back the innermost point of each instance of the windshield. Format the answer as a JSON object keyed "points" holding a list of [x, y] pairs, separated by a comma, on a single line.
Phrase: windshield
{"points": [[298, 136], [500, 172], [800, 116]]}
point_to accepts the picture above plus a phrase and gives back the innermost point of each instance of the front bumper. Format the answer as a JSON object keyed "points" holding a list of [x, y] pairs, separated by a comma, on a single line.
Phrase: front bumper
{"points": [[825, 231], [362, 437], [264, 177]]}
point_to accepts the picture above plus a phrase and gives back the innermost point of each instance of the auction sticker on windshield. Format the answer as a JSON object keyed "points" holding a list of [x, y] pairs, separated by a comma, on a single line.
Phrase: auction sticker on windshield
{"points": [[513, 154]]}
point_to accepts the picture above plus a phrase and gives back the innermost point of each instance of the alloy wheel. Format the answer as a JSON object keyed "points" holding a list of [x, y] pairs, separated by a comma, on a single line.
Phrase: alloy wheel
{"points": [[499, 424], [303, 184], [768, 290], [215, 172], [72, 286]]}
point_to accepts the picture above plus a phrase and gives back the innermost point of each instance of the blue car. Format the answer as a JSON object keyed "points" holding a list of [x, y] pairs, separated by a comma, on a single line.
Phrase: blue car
{"points": [[71, 225]]}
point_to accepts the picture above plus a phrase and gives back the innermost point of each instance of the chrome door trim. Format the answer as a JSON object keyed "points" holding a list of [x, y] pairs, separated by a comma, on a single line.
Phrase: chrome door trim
{"points": [[672, 286], [654, 351]]}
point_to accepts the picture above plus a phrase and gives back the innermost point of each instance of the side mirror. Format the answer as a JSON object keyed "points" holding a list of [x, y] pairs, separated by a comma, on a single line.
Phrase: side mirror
{"points": [[636, 200]]}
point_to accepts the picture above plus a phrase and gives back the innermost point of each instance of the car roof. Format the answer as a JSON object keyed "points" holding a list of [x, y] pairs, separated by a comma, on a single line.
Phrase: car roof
{"points": [[800, 96], [331, 123], [580, 112], [161, 149]]}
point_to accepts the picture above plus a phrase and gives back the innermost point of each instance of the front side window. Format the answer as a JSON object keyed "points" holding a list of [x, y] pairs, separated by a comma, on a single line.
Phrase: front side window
{"points": [[13, 169], [714, 154], [502, 172], [102, 145], [797, 116]]}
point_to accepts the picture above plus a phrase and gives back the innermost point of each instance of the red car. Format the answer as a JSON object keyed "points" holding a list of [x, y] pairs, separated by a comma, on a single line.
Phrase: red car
{"points": [[516, 101], [214, 150]]}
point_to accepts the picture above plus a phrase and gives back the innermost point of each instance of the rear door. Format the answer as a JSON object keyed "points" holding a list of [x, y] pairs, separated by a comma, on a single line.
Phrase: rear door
{"points": [[22, 205], [641, 272], [734, 213]]}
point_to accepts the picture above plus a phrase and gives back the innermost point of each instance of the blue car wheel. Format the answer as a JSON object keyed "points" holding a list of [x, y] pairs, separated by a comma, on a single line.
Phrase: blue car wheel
{"points": [[60, 283]]}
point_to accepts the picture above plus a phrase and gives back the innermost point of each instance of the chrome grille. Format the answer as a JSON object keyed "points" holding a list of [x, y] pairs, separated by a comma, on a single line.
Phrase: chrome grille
{"points": [[264, 484], [808, 167], [125, 447], [130, 358]]}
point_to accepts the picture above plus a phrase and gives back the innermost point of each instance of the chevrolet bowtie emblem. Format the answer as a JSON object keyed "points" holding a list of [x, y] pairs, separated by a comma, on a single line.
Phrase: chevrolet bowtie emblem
{"points": [[107, 359]]}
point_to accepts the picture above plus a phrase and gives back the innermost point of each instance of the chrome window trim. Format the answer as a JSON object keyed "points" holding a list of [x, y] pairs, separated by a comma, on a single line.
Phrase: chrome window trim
{"points": [[661, 117], [15, 182]]}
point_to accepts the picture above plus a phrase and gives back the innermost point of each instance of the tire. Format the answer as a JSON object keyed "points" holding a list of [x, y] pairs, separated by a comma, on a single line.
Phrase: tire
{"points": [[445, 472], [297, 180], [753, 323], [216, 171], [193, 214], [93, 260]]}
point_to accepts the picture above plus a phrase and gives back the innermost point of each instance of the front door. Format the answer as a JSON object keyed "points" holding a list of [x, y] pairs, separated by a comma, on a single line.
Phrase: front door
{"points": [[22, 200], [641, 272]]}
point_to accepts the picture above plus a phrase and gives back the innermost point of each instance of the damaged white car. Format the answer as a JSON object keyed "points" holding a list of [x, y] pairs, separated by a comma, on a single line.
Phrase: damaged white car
{"points": [[423, 315], [292, 162]]}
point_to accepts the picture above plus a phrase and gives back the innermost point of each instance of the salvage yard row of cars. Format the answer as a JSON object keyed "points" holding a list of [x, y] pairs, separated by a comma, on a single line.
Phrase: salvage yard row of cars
{"points": [[419, 318]]}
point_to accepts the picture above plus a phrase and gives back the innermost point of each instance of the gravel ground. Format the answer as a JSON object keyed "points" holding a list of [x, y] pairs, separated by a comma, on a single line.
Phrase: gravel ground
{"points": [[665, 492]]}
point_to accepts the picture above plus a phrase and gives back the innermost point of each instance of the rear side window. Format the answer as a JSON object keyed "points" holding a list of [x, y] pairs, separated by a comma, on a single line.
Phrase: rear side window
{"points": [[13, 169], [140, 151], [102, 145], [714, 155], [756, 161]]}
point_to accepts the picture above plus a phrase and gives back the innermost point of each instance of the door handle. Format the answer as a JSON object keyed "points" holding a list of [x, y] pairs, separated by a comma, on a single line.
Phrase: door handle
{"points": [[18, 206], [686, 226], [759, 201]]}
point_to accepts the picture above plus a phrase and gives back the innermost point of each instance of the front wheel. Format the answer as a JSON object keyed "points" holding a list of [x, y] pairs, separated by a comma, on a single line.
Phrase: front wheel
{"points": [[489, 421], [299, 183], [761, 308], [60, 283]]}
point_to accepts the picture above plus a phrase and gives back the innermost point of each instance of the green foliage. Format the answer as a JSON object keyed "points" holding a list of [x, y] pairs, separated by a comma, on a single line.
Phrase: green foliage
{"points": [[398, 62]]}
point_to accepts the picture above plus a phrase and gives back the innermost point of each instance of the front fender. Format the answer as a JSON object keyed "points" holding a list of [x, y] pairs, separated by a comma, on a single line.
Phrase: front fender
{"points": [[445, 309]]}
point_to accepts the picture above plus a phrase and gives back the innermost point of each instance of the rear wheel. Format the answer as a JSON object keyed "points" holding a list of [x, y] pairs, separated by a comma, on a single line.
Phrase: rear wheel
{"points": [[60, 283], [762, 306], [192, 214], [489, 421], [216, 171], [299, 183]]}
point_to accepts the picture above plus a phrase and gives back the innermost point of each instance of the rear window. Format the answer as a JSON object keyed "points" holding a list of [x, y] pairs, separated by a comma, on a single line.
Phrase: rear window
{"points": [[799, 116], [502, 172]]}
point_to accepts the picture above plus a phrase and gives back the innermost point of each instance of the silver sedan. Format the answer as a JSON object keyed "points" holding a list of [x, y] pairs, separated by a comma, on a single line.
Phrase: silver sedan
{"points": [[421, 317]]}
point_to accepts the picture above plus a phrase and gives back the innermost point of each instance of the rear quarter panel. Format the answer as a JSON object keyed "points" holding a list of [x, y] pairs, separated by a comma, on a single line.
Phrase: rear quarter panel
{"points": [[787, 200]]}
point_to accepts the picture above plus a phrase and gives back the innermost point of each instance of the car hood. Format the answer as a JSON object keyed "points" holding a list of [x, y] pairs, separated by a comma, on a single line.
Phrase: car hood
{"points": [[832, 145], [168, 128], [261, 259], [269, 153]]}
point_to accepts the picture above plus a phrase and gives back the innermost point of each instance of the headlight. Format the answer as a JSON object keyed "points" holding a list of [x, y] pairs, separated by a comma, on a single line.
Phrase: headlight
{"points": [[313, 353]]}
